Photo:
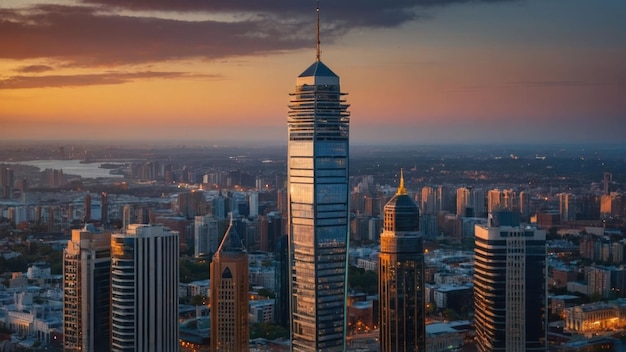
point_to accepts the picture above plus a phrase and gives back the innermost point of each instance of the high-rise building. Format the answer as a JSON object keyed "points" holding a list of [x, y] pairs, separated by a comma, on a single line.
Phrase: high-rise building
{"points": [[87, 208], [435, 199], [510, 285], [229, 295], [498, 200], [271, 228], [281, 271], [7, 179], [104, 208], [128, 216], [401, 290], [463, 201], [524, 204], [567, 206], [253, 203], [318, 215], [606, 183], [206, 235], [144, 289], [86, 290]]}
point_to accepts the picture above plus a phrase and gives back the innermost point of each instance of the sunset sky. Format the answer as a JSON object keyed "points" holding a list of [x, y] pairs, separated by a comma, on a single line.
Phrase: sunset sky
{"points": [[214, 71]]}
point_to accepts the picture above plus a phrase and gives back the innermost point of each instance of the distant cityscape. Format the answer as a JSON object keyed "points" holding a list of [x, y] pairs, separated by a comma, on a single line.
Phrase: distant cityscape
{"points": [[572, 194]]}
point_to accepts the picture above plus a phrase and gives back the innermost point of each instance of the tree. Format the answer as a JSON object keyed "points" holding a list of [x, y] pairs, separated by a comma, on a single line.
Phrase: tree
{"points": [[266, 293], [268, 331], [198, 300], [450, 314]]}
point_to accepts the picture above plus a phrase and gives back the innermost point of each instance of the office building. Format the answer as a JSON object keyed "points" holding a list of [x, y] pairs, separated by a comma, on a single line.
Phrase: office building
{"points": [[206, 235], [229, 295], [86, 290], [87, 208], [144, 289], [510, 297], [318, 209], [401, 288], [567, 206], [104, 208]]}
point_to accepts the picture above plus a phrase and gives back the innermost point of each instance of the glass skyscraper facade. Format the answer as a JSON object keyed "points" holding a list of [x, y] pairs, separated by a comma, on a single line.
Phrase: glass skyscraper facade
{"points": [[318, 210]]}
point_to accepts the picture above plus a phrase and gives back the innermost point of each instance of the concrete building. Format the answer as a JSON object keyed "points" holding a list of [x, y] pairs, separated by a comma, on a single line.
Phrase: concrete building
{"points": [[510, 297], [87, 290], [144, 289]]}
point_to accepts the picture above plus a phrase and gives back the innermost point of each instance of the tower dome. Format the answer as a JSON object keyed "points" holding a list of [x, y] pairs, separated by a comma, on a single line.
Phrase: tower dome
{"points": [[401, 212]]}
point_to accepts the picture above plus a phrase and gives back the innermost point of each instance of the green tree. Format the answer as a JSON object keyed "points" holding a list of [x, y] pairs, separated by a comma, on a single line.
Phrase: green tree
{"points": [[267, 293], [268, 331], [362, 280], [450, 314], [198, 300]]}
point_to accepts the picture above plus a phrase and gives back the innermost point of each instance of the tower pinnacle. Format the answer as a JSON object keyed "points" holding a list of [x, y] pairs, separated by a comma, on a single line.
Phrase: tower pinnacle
{"points": [[401, 189], [317, 33]]}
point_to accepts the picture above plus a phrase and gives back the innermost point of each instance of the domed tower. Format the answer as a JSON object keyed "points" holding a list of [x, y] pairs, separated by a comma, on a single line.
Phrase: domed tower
{"points": [[401, 276]]}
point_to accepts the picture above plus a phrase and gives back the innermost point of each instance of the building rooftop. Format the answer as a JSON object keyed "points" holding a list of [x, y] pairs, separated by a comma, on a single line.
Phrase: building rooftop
{"points": [[318, 69]]}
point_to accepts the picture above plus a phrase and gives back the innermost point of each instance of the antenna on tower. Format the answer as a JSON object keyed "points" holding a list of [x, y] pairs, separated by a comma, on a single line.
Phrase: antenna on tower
{"points": [[317, 34]]}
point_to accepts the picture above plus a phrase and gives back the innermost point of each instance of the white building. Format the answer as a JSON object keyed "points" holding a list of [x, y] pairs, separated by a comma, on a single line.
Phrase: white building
{"points": [[206, 235], [144, 289]]}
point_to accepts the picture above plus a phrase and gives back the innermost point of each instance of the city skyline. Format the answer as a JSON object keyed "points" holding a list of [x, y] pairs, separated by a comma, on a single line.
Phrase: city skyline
{"points": [[434, 72]]}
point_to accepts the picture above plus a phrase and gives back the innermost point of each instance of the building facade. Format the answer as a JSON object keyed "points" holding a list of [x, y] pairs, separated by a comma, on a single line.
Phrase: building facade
{"points": [[230, 331], [86, 290], [401, 289], [144, 289], [510, 296], [318, 211]]}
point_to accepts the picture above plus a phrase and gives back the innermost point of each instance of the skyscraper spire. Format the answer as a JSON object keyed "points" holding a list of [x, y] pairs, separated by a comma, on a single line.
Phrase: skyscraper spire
{"points": [[401, 189], [317, 33]]}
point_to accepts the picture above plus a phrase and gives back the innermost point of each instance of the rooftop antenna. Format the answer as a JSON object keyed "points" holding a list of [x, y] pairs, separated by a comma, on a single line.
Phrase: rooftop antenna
{"points": [[317, 34]]}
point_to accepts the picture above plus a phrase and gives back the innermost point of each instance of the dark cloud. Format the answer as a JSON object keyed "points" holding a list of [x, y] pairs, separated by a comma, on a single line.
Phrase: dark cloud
{"points": [[35, 69], [87, 37], [350, 12], [21, 82], [97, 35]]}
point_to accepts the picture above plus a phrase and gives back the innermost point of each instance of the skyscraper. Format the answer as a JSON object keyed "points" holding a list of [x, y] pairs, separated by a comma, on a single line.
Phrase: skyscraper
{"points": [[104, 210], [567, 206], [86, 291], [606, 183], [463, 201], [144, 289], [318, 209], [510, 285], [87, 208], [206, 236], [401, 277], [229, 295]]}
